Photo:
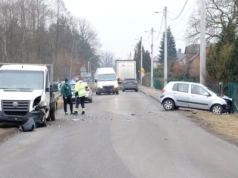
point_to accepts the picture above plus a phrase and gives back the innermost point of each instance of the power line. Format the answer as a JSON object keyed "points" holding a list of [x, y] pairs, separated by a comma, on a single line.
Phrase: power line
{"points": [[184, 26], [181, 10], [147, 37], [160, 26], [189, 9]]}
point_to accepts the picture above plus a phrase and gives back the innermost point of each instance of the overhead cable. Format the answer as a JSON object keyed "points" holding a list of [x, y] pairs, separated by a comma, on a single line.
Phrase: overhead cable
{"points": [[160, 26], [181, 11]]}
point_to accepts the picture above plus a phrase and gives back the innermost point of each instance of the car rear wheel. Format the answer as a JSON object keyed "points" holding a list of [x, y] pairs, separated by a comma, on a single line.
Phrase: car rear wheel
{"points": [[168, 104], [217, 109], [136, 90]]}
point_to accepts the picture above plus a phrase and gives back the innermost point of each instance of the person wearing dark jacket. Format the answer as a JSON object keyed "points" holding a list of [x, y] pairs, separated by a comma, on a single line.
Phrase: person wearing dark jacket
{"points": [[67, 96]]}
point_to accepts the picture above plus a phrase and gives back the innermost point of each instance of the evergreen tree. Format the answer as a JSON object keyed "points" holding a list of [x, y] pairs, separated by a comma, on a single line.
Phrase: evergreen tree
{"points": [[137, 58], [221, 62], [146, 61], [171, 47], [232, 64]]}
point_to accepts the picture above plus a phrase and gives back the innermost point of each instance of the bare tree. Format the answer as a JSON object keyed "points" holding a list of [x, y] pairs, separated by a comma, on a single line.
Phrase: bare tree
{"points": [[218, 14], [108, 59]]}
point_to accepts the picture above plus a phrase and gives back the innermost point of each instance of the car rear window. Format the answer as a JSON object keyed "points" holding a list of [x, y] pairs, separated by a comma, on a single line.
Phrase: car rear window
{"points": [[181, 87]]}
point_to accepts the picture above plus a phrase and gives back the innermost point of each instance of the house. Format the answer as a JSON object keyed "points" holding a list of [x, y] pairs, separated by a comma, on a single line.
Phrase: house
{"points": [[192, 59], [180, 56], [156, 61], [191, 51]]}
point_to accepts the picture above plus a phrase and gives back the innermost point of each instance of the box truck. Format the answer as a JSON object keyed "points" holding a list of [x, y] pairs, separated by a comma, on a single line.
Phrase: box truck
{"points": [[125, 69]]}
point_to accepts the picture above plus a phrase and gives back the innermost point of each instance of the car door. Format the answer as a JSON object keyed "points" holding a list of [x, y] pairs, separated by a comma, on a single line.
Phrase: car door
{"points": [[180, 93], [199, 98]]}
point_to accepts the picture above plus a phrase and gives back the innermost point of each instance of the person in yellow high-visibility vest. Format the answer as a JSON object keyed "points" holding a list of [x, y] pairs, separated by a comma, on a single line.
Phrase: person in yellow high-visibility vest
{"points": [[80, 92]]}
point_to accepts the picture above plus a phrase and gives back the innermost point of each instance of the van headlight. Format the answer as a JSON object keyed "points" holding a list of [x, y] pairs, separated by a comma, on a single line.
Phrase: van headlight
{"points": [[37, 101], [115, 85]]}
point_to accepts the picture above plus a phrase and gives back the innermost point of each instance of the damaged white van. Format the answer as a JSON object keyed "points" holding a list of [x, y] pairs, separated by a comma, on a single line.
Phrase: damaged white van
{"points": [[25, 96]]}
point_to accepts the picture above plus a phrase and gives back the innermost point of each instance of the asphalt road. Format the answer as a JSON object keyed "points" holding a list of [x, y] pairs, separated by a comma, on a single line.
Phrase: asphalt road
{"points": [[121, 136]]}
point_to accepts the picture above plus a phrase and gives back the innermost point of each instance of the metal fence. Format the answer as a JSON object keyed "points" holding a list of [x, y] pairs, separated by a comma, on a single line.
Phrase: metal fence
{"points": [[228, 89], [233, 93]]}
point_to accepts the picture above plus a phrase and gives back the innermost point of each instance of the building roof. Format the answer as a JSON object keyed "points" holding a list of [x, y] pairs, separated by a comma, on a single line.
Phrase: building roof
{"points": [[193, 57], [192, 49], [156, 58], [180, 55]]}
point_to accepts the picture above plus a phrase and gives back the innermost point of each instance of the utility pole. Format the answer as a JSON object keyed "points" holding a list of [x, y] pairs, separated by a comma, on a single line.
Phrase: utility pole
{"points": [[141, 64], [202, 44], [165, 48], [152, 63]]}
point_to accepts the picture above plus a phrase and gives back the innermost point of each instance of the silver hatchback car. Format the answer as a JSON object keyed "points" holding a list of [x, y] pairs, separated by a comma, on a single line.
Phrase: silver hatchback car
{"points": [[193, 95]]}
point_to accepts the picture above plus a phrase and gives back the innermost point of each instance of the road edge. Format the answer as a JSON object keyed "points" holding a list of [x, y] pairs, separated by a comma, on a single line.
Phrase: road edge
{"points": [[198, 123], [8, 133]]}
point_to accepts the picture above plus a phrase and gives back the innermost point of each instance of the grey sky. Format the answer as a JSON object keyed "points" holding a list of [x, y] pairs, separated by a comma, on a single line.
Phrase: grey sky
{"points": [[119, 23]]}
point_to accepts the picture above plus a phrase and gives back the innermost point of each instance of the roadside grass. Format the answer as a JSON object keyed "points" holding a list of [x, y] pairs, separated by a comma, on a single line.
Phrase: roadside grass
{"points": [[223, 125]]}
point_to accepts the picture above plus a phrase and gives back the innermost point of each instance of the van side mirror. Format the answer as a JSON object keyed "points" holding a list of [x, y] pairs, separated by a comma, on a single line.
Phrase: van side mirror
{"points": [[96, 81], [47, 90]]}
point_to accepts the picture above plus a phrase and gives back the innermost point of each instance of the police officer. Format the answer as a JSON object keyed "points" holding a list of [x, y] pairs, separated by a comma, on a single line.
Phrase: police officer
{"points": [[67, 96], [80, 92]]}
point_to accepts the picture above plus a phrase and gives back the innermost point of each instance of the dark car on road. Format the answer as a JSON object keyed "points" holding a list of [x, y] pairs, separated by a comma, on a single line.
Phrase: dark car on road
{"points": [[130, 84]]}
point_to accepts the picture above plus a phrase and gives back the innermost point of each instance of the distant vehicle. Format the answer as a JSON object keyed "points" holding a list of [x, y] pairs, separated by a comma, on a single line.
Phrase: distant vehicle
{"points": [[130, 84], [193, 95], [26, 96], [56, 91], [88, 97], [106, 81], [91, 83], [125, 69]]}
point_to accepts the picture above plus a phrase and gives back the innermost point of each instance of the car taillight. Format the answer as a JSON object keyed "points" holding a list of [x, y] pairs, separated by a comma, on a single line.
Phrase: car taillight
{"points": [[163, 90]]}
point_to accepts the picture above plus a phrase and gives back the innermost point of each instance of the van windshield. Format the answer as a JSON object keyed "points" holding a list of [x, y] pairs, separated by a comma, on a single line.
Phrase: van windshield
{"points": [[32, 80], [106, 77]]}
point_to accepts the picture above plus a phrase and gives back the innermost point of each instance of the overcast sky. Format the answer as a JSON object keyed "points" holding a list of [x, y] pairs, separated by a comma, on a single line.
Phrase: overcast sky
{"points": [[120, 23]]}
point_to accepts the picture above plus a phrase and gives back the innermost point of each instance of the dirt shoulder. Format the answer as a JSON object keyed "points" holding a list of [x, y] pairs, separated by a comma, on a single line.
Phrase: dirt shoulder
{"points": [[7, 131], [224, 126]]}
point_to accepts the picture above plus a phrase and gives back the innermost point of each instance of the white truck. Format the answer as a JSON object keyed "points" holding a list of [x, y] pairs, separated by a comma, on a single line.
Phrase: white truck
{"points": [[26, 95], [106, 81], [125, 69]]}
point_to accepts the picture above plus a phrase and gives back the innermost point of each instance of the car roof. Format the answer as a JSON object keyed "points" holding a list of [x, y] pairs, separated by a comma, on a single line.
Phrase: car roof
{"points": [[194, 83]]}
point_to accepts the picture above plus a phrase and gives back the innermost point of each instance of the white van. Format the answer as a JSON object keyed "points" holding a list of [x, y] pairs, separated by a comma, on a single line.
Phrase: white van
{"points": [[106, 81], [25, 95]]}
